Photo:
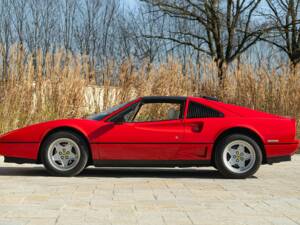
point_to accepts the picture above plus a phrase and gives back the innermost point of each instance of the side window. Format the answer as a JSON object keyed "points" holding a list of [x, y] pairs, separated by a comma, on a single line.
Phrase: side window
{"points": [[158, 112], [197, 110]]}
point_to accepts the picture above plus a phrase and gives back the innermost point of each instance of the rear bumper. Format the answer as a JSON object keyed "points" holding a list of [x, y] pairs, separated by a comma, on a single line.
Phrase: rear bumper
{"points": [[280, 152], [281, 149]]}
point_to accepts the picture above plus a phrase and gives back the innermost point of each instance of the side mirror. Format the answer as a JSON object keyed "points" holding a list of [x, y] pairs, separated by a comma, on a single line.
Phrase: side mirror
{"points": [[119, 121]]}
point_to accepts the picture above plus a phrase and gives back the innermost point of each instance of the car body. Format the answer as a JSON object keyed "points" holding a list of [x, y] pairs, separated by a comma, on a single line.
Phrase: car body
{"points": [[187, 139]]}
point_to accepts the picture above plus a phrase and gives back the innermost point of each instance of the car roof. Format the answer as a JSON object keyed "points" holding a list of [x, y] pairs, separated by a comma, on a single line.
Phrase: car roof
{"points": [[164, 98], [176, 98]]}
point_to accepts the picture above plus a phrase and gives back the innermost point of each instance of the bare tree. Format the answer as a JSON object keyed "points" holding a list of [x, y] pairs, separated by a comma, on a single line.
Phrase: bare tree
{"points": [[108, 39], [284, 19], [226, 27], [5, 36], [86, 30], [19, 19], [68, 14], [49, 20], [152, 31], [138, 24]]}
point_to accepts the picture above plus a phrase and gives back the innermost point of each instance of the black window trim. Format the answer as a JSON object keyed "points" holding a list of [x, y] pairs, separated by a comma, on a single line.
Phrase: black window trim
{"points": [[115, 117], [139, 104]]}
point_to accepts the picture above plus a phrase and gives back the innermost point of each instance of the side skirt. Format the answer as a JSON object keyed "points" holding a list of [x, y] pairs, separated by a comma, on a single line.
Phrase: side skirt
{"points": [[151, 163], [19, 160], [278, 159]]}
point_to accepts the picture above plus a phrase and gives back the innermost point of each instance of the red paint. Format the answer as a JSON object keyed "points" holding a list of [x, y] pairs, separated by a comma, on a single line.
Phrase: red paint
{"points": [[20, 150], [150, 140], [184, 139], [281, 149]]}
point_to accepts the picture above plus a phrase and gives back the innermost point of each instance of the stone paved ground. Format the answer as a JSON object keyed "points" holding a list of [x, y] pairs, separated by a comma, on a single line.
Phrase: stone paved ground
{"points": [[149, 196]]}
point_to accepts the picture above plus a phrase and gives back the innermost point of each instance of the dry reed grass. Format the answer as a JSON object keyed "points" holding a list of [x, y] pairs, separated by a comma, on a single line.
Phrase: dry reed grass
{"points": [[56, 87]]}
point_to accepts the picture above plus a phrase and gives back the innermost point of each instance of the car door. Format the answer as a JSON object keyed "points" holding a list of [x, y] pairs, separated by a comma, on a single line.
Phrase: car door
{"points": [[151, 139], [200, 123]]}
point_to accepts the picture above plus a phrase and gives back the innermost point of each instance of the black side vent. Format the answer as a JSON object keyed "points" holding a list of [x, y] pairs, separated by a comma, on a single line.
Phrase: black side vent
{"points": [[197, 110]]}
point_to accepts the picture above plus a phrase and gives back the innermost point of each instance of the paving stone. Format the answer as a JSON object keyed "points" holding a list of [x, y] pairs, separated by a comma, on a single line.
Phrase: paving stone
{"points": [[28, 196]]}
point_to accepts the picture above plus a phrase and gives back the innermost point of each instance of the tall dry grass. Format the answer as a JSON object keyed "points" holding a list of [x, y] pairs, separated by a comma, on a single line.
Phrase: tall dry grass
{"points": [[59, 86]]}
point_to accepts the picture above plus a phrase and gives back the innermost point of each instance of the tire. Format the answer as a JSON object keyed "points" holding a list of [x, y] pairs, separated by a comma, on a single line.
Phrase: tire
{"points": [[64, 154], [237, 156]]}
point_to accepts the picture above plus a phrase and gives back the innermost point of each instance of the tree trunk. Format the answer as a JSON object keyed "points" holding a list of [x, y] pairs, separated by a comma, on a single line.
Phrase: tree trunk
{"points": [[34, 63], [221, 74], [293, 67], [20, 55], [5, 65]]}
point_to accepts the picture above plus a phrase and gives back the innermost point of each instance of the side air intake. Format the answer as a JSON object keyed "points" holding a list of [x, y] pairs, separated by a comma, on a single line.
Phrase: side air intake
{"points": [[197, 110]]}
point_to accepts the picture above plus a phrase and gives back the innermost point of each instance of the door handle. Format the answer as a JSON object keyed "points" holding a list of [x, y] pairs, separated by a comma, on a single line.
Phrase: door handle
{"points": [[197, 127]]}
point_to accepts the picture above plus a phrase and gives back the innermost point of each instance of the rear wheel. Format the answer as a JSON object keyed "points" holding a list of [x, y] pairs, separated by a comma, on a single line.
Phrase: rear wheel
{"points": [[64, 154], [237, 156]]}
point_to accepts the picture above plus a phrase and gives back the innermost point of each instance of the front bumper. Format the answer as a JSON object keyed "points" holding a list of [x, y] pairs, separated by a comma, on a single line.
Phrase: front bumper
{"points": [[19, 150]]}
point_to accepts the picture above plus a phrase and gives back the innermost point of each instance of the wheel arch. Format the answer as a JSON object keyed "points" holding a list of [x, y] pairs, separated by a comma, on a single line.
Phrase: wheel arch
{"points": [[240, 130], [67, 129]]}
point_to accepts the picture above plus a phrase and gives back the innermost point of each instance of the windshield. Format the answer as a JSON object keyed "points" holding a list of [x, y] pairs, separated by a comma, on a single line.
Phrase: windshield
{"points": [[101, 115]]}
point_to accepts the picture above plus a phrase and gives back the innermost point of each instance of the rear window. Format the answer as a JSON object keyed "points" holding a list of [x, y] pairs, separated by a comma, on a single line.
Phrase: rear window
{"points": [[197, 110]]}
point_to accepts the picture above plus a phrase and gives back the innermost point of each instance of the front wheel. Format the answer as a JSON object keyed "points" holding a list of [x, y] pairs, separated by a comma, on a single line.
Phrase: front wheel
{"points": [[64, 154], [238, 156]]}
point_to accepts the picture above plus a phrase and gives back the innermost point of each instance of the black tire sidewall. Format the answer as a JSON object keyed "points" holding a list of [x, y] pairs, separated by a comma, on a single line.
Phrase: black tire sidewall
{"points": [[220, 147], [83, 147]]}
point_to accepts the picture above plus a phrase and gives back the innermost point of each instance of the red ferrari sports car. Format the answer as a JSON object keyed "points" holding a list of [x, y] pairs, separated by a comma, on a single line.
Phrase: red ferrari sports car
{"points": [[158, 131]]}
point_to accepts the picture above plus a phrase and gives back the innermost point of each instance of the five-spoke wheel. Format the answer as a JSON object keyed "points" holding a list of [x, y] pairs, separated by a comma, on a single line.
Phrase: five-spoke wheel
{"points": [[237, 156], [64, 153]]}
